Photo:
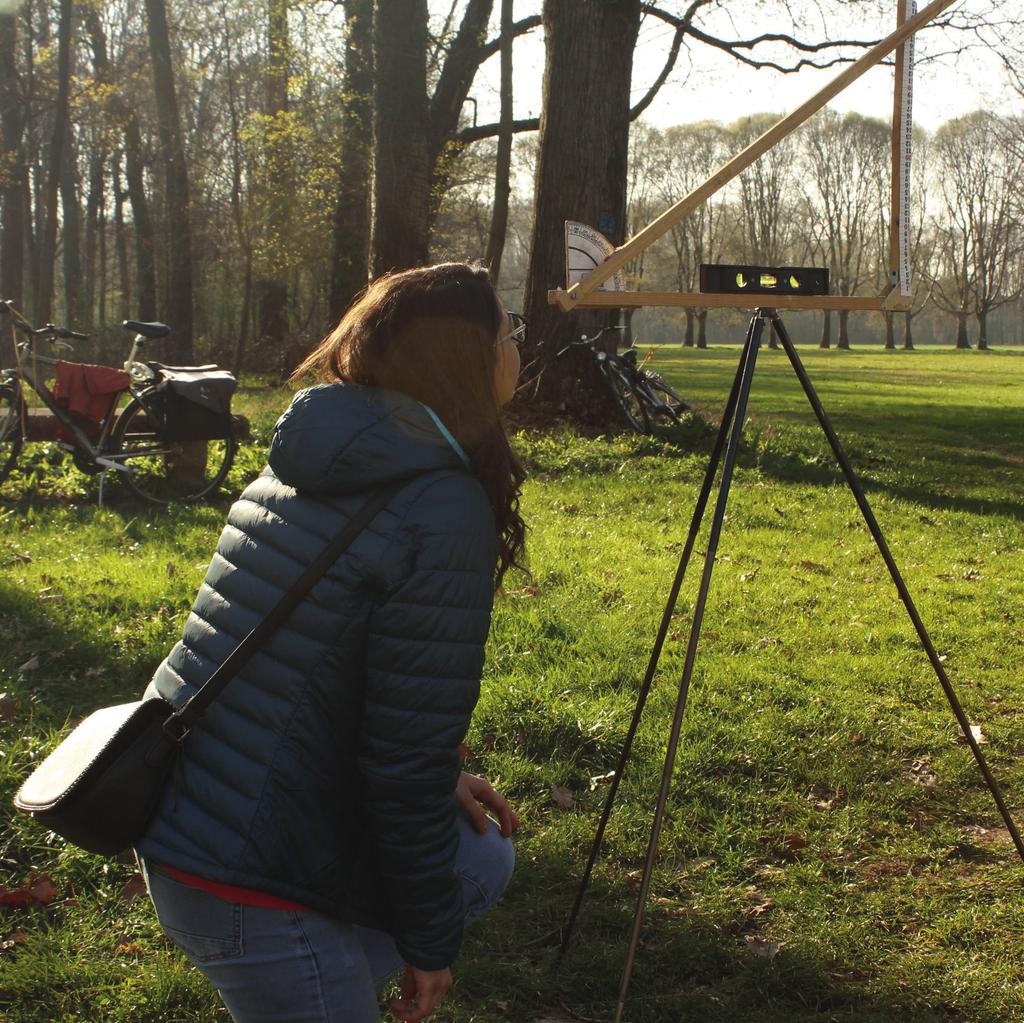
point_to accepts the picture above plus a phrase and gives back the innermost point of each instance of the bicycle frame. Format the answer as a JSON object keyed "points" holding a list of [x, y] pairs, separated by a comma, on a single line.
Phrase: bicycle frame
{"points": [[95, 451]]}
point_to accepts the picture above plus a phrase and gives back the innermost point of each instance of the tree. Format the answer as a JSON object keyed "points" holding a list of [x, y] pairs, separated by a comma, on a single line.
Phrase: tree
{"points": [[42, 307], [350, 262], [270, 286], [179, 302], [13, 175], [979, 233], [581, 174], [692, 153], [846, 159], [503, 159]]}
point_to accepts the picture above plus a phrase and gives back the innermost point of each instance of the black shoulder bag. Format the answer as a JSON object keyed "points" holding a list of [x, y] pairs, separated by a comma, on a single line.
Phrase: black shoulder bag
{"points": [[100, 787]]}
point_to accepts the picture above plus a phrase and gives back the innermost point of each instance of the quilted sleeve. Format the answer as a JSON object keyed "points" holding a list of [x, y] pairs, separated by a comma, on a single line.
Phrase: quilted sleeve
{"points": [[425, 654]]}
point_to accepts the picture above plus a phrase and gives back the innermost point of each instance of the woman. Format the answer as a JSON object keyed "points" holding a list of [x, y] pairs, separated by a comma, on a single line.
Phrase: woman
{"points": [[310, 843]]}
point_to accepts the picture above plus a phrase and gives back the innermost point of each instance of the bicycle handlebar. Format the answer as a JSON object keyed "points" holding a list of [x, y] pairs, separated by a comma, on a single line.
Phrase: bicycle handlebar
{"points": [[588, 341], [52, 331]]}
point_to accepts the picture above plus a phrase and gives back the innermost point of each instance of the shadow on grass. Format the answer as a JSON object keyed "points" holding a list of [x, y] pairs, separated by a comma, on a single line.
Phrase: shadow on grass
{"points": [[789, 457], [61, 669], [690, 964]]}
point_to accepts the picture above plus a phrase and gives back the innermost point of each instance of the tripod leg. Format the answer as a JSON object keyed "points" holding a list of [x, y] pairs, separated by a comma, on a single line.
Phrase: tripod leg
{"points": [[747, 376], [666, 620], [897, 578]]}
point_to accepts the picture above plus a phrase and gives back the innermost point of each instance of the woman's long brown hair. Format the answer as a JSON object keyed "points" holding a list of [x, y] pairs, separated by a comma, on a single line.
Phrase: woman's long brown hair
{"points": [[430, 333]]}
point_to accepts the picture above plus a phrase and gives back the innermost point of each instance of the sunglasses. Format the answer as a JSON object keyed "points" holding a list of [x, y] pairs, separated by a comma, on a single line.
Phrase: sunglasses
{"points": [[518, 332]]}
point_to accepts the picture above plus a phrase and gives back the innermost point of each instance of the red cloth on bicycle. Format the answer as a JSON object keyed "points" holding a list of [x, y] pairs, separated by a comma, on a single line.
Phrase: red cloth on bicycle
{"points": [[88, 391]]}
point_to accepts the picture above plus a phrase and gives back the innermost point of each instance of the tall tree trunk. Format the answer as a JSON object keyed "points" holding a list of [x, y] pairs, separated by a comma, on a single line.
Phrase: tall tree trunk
{"points": [[844, 330], [121, 242], [43, 304], [890, 331], [503, 160], [71, 233], [702, 328], [351, 259], [179, 304], [826, 330], [13, 176], [403, 168], [101, 253], [962, 339], [581, 170], [144, 306], [908, 331], [982, 318], [93, 228], [688, 330], [271, 286]]}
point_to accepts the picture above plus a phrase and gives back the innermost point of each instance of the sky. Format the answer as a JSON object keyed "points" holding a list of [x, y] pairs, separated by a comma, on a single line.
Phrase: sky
{"points": [[710, 85]]}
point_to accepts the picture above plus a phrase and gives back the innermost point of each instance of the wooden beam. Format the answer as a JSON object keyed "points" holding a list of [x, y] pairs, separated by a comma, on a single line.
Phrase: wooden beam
{"points": [[654, 230], [717, 300]]}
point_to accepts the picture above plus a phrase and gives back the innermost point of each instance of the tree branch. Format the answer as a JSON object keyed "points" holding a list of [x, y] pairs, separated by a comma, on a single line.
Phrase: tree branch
{"points": [[519, 28], [486, 131], [735, 47]]}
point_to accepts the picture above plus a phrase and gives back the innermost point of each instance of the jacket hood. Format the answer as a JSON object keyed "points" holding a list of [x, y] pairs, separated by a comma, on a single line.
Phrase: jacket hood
{"points": [[344, 438]]}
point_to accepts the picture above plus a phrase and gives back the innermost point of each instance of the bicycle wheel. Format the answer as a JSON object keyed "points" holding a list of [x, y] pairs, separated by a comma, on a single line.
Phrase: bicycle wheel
{"points": [[12, 407], [667, 402], [629, 400], [166, 471]]}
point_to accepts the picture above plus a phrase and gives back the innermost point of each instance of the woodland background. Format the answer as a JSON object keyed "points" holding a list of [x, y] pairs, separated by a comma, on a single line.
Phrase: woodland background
{"points": [[239, 169]]}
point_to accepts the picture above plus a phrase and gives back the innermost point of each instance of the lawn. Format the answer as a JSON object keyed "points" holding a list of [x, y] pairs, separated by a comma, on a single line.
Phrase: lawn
{"points": [[830, 851]]}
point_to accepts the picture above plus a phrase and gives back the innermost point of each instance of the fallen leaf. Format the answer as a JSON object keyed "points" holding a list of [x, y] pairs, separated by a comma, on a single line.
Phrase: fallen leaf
{"points": [[795, 841], [562, 797], [600, 779], [172, 569], [762, 947], [976, 732], [133, 888], [502, 1007], [8, 707], [40, 893], [131, 948]]}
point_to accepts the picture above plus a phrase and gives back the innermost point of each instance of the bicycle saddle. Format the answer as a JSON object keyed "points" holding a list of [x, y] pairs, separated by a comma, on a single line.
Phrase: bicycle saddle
{"points": [[183, 369], [151, 330]]}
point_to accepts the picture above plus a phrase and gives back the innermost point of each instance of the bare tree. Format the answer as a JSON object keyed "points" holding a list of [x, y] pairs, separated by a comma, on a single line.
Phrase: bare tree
{"points": [[350, 262], [846, 160], [179, 303]]}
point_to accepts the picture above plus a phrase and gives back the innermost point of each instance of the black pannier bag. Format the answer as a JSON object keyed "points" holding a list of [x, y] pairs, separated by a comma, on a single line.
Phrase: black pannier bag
{"points": [[196, 406]]}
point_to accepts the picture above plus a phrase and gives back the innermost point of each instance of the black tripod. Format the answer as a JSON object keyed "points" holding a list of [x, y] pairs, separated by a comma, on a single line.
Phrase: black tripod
{"points": [[728, 440]]}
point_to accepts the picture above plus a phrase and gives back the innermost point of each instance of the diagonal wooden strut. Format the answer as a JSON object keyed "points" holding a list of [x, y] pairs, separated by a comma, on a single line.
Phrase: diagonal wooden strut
{"points": [[574, 296]]}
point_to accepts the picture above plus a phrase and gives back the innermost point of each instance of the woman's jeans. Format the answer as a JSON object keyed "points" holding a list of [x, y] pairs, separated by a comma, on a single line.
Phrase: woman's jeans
{"points": [[279, 966]]}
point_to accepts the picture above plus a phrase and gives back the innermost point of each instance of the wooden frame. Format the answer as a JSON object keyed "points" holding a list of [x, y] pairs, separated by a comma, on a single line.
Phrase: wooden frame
{"points": [[583, 294]]}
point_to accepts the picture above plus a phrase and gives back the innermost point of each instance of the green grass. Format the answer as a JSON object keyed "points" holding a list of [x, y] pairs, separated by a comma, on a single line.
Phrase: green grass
{"points": [[820, 798]]}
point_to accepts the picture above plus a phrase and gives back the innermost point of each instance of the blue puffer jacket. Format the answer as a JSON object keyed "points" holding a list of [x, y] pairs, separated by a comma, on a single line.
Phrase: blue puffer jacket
{"points": [[325, 772]]}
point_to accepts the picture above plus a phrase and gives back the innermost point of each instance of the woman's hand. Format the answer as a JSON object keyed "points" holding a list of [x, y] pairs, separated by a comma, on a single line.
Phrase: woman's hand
{"points": [[423, 992], [477, 796]]}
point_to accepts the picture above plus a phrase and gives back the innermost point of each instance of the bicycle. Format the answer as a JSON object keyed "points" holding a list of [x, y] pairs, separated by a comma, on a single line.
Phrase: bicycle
{"points": [[172, 441], [639, 393]]}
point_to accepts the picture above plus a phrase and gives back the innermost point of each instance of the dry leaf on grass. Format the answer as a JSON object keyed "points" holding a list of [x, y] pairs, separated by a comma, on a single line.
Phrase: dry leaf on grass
{"points": [[134, 888], [600, 779], [562, 797], [40, 892], [762, 947], [8, 707], [979, 736]]}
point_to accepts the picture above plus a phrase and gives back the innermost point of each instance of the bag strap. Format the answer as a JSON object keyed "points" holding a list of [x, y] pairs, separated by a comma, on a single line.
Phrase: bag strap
{"points": [[180, 722]]}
